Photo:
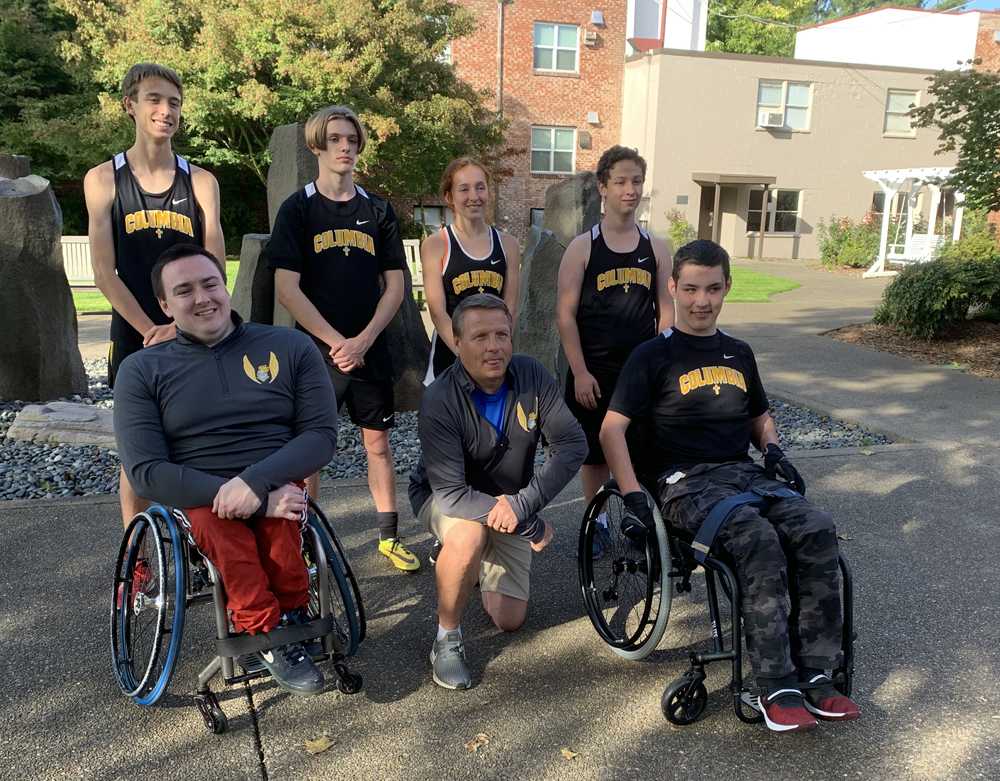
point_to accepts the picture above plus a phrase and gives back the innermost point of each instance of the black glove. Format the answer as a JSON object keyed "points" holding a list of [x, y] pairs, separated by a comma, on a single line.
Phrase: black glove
{"points": [[777, 466], [638, 520]]}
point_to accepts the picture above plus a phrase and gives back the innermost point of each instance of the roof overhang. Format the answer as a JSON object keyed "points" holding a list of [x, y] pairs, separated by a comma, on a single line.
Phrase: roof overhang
{"points": [[720, 178], [899, 178]]}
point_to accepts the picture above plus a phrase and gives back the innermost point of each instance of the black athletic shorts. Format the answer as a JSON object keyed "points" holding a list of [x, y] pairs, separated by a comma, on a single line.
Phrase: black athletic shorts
{"points": [[120, 349], [370, 403], [591, 419]]}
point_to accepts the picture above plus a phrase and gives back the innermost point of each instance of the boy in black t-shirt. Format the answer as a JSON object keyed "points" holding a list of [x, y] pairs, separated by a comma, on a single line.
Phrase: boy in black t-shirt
{"points": [[697, 393], [334, 248]]}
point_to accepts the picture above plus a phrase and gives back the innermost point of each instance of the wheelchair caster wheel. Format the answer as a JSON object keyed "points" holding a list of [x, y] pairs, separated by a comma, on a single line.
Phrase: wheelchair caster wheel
{"points": [[208, 706], [347, 682], [684, 700]]}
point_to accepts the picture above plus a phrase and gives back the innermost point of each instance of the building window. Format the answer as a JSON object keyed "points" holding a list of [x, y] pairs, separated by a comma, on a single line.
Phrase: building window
{"points": [[782, 210], [432, 218], [552, 150], [784, 104], [897, 112], [535, 218], [557, 47]]}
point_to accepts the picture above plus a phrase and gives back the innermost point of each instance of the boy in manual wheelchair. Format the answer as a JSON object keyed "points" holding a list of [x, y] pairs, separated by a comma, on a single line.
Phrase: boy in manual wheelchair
{"points": [[697, 395]]}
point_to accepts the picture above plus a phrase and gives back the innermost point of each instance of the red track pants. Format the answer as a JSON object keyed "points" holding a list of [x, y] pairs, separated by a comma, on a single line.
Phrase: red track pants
{"points": [[260, 563]]}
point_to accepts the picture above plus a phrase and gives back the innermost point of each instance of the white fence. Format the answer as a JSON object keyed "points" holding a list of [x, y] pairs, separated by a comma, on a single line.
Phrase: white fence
{"points": [[76, 261]]}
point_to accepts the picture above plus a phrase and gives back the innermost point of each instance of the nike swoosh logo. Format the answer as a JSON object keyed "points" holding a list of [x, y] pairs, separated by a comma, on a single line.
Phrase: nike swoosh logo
{"points": [[362, 222], [727, 357], [176, 201], [387, 419], [494, 262], [268, 656], [643, 260]]}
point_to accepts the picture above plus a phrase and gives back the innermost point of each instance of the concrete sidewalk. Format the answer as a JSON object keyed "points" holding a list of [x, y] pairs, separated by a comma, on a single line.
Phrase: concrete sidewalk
{"points": [[917, 521]]}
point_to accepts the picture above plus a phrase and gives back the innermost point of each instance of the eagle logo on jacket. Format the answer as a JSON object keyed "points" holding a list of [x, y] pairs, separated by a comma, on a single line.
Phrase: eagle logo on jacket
{"points": [[265, 373], [527, 421]]}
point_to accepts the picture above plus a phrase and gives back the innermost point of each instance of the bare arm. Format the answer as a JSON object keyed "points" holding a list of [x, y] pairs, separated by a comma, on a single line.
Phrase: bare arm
{"points": [[291, 297], [763, 432], [512, 283], [571, 271], [206, 193], [432, 251], [616, 451], [99, 193], [664, 266]]}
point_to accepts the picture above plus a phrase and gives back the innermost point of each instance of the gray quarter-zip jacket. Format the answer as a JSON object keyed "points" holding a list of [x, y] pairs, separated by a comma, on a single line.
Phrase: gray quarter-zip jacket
{"points": [[465, 463], [259, 404]]}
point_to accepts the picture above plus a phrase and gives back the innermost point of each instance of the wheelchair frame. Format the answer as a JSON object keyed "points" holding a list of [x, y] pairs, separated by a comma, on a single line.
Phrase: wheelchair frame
{"points": [[185, 577], [685, 698]]}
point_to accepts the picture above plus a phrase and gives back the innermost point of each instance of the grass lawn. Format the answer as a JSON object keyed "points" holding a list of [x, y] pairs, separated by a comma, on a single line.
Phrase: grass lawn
{"points": [[94, 302], [753, 287]]}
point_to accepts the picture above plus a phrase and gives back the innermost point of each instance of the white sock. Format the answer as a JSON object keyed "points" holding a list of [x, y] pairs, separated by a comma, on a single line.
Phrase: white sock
{"points": [[442, 631]]}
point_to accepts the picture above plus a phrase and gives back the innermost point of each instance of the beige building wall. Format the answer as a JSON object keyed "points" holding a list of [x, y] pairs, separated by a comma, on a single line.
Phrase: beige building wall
{"points": [[691, 112]]}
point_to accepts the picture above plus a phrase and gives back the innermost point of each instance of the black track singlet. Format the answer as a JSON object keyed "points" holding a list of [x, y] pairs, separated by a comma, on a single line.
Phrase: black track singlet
{"points": [[464, 275], [146, 224], [617, 308]]}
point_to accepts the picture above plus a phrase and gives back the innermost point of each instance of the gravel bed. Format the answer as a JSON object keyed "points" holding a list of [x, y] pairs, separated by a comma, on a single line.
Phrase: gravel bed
{"points": [[46, 471]]}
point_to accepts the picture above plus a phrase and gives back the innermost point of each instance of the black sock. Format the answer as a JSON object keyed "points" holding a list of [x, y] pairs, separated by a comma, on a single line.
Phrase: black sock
{"points": [[388, 525], [768, 685], [806, 674]]}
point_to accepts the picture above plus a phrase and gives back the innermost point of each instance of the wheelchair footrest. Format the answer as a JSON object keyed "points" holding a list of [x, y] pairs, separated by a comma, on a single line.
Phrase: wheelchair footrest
{"points": [[237, 645]]}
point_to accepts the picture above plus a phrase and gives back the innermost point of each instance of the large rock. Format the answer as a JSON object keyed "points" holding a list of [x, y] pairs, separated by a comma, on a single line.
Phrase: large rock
{"points": [[14, 166], [571, 207], [254, 296], [64, 421], [292, 166], [39, 357]]}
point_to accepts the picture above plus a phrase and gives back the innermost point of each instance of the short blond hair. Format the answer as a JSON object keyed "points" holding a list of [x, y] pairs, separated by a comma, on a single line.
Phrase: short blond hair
{"points": [[316, 126]]}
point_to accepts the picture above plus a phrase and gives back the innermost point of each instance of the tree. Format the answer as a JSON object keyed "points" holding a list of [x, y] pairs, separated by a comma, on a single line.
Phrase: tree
{"points": [[250, 65], [966, 106]]}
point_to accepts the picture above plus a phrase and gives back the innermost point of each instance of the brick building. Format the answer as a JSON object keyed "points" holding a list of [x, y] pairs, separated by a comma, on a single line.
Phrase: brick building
{"points": [[562, 93], [988, 41]]}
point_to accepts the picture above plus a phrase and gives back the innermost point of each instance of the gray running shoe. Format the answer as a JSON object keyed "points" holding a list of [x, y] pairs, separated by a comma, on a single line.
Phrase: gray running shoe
{"points": [[292, 669], [448, 662]]}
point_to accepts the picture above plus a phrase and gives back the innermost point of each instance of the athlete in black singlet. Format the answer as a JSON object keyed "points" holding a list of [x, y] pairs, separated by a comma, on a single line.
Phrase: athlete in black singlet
{"points": [[465, 258], [612, 297], [141, 202]]}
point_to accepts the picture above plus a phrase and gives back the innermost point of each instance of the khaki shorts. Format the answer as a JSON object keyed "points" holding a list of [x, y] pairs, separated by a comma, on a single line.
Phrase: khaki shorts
{"points": [[506, 563]]}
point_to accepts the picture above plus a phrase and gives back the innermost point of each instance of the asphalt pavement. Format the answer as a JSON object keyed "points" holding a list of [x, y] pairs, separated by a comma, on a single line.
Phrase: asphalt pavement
{"points": [[917, 520]]}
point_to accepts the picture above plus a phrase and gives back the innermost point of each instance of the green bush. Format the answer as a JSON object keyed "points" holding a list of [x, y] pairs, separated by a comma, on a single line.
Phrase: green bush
{"points": [[844, 242], [978, 242], [680, 231]]}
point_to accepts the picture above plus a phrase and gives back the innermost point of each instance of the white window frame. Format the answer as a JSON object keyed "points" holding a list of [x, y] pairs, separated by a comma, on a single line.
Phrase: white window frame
{"points": [[419, 214], [782, 108], [551, 150], [912, 133], [772, 210], [556, 48]]}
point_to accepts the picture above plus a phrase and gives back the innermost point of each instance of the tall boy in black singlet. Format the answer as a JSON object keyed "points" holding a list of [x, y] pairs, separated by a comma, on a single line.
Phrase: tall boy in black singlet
{"points": [[333, 246], [462, 276], [140, 203], [612, 296]]}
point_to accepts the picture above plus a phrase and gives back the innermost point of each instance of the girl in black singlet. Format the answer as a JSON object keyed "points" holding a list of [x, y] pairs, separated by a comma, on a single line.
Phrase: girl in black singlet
{"points": [[469, 256]]}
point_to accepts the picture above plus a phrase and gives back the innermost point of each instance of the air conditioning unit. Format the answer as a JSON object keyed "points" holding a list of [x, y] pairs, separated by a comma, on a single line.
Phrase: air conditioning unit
{"points": [[590, 38], [767, 118], [593, 118]]}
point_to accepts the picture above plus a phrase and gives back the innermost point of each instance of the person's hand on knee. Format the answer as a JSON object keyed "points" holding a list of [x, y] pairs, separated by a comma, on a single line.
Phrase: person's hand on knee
{"points": [[235, 500], [777, 465], [502, 517], [288, 501]]}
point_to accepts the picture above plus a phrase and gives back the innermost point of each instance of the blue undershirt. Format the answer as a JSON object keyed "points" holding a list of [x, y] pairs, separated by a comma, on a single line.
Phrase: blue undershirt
{"points": [[491, 405]]}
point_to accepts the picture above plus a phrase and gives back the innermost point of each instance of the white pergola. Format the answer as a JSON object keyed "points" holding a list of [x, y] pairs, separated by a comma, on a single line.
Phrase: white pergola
{"points": [[920, 247]]}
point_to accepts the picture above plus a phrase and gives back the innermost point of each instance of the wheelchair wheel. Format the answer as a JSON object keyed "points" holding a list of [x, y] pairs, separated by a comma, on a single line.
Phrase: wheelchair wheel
{"points": [[339, 594], [684, 700], [626, 589], [147, 605], [358, 604]]}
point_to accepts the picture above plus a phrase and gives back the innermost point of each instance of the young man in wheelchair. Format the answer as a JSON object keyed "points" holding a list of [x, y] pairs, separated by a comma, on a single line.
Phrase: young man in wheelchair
{"points": [[225, 422], [696, 391]]}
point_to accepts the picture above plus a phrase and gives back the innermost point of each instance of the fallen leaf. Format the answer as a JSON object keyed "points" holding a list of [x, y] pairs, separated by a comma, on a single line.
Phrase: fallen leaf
{"points": [[866, 452], [477, 742], [318, 745], [567, 754], [845, 537]]}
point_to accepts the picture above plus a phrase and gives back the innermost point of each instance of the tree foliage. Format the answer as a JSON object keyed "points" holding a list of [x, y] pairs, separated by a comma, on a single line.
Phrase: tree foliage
{"points": [[250, 65], [965, 105]]}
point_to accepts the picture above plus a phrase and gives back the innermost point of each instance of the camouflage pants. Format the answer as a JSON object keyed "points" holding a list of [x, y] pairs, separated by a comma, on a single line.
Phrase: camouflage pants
{"points": [[785, 559]]}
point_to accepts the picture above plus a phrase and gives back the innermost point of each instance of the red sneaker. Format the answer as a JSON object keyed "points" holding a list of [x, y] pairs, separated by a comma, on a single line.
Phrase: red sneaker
{"points": [[828, 704], [784, 711]]}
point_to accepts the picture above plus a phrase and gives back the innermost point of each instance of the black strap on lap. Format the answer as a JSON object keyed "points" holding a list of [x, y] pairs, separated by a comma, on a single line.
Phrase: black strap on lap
{"points": [[723, 511], [235, 645]]}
